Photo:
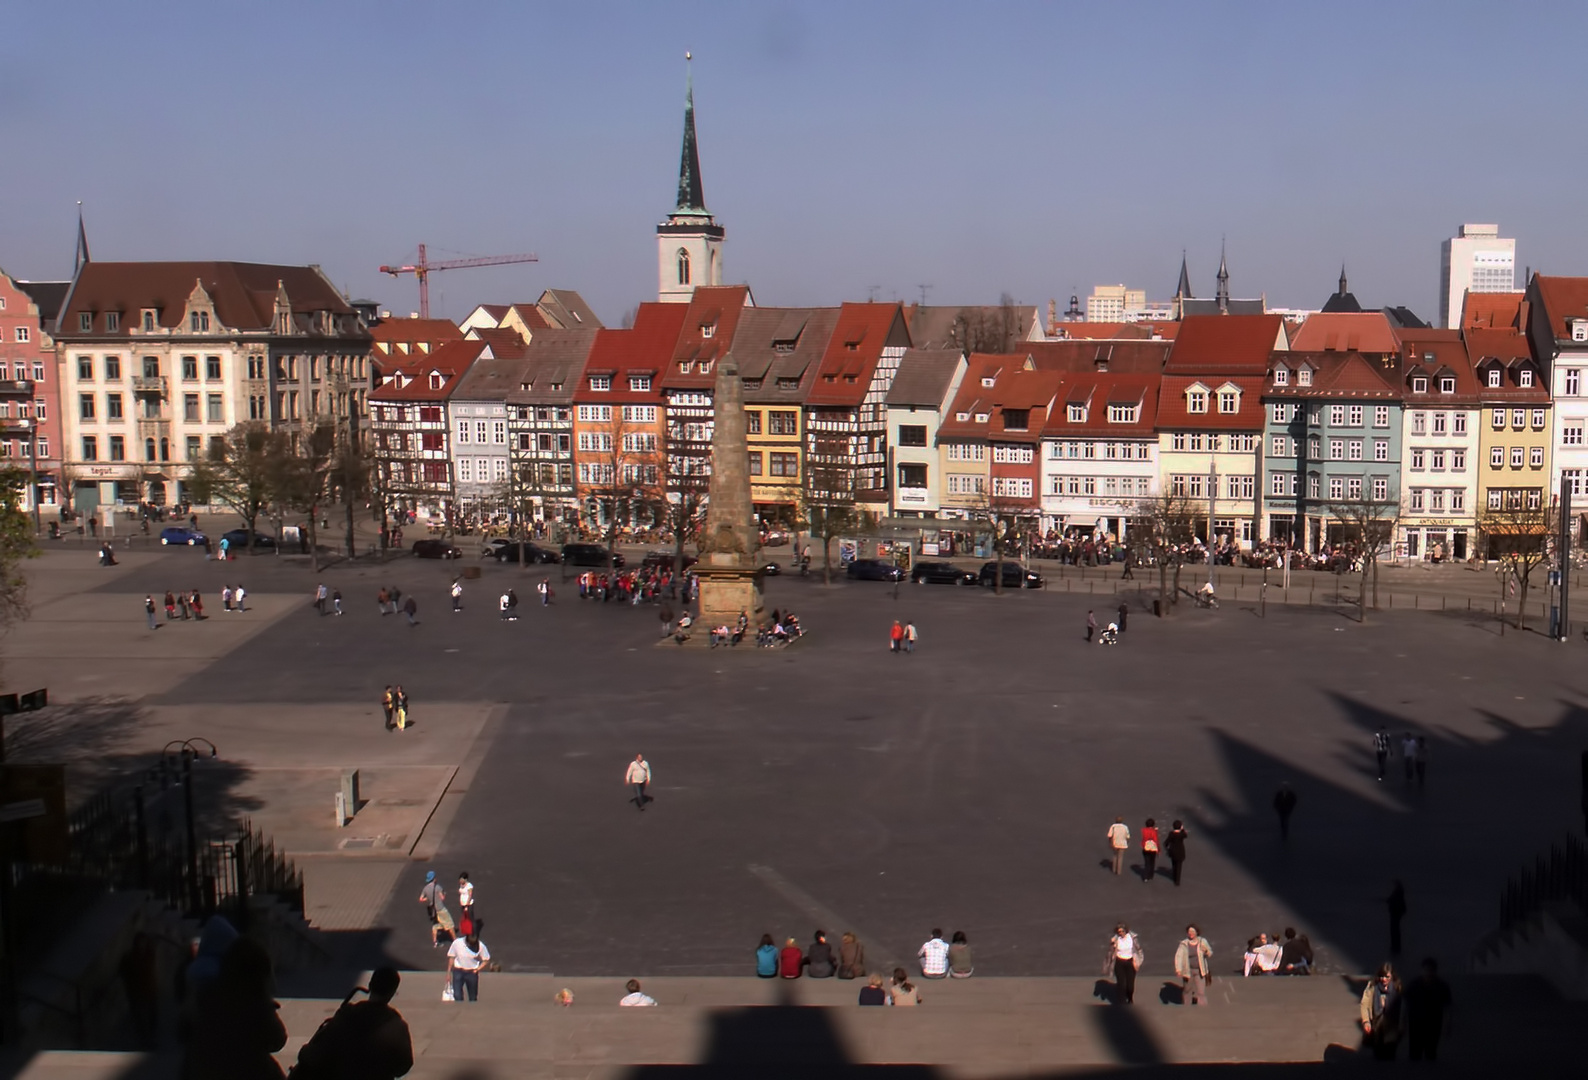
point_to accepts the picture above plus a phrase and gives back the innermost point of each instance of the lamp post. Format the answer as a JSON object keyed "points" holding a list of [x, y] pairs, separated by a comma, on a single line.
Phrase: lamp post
{"points": [[188, 751]]}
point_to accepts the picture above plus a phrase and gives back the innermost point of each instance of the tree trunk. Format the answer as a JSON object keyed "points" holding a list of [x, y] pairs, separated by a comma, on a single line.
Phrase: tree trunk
{"points": [[1163, 587], [998, 573], [1361, 594], [1375, 584], [314, 547], [352, 540], [1521, 603], [1174, 597]]}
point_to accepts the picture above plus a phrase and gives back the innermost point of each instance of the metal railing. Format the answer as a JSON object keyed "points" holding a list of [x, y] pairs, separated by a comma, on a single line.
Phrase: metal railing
{"points": [[1561, 876]]}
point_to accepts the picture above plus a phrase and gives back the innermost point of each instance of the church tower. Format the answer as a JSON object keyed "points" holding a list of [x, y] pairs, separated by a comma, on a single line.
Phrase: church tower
{"points": [[689, 242]]}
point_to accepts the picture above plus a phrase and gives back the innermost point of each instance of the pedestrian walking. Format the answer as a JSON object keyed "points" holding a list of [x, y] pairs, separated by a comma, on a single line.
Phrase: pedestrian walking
{"points": [[170, 605], [240, 595], [895, 636], [465, 901], [1149, 849], [182, 606], [1427, 1001], [1128, 575], [411, 609], [148, 608], [1191, 959], [1396, 903], [1380, 1014], [388, 705], [1124, 959], [434, 898], [910, 637], [466, 956], [666, 615], [225, 548], [1284, 806], [321, 595], [638, 776], [512, 605], [1091, 625], [336, 600], [198, 605], [1381, 749], [1118, 843], [1174, 847], [1422, 759], [543, 587], [1124, 615], [457, 594], [1409, 755], [382, 598], [399, 701]]}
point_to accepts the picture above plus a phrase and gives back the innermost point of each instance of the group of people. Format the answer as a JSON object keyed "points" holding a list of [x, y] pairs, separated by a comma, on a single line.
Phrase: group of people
{"points": [[902, 637], [644, 585], [938, 959], [394, 703], [1152, 844], [390, 600], [189, 604], [1290, 955], [327, 601], [1111, 632], [467, 955], [1413, 751]]}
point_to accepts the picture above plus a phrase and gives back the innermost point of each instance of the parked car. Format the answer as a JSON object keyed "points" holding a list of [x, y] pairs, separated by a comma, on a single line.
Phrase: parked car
{"points": [[874, 570], [181, 534], [1015, 576], [490, 547], [772, 569], [436, 549], [589, 555], [236, 539], [774, 538], [533, 553], [940, 573], [659, 560]]}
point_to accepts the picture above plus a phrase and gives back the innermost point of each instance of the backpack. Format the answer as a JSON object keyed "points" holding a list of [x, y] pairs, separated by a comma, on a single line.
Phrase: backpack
{"points": [[320, 1055]]}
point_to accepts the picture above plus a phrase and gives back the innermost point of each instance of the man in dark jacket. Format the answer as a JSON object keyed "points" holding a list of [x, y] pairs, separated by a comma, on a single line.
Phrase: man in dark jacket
{"points": [[364, 1041], [1284, 806], [819, 958]]}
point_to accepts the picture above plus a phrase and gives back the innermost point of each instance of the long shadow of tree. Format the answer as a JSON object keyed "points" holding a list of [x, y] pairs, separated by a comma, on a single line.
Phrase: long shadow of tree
{"points": [[1486, 808]]}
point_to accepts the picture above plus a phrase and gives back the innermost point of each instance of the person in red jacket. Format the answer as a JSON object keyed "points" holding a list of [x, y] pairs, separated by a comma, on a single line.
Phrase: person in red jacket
{"points": [[789, 960]]}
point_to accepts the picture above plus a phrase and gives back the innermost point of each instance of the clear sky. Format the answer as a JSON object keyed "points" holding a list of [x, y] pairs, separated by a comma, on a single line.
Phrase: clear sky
{"points": [[975, 148]]}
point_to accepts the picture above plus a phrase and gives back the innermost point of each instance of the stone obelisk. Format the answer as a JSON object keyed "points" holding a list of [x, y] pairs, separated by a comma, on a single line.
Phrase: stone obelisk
{"points": [[729, 580]]}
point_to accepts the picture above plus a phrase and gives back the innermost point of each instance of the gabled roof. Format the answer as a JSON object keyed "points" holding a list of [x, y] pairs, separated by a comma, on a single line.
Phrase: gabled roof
{"points": [[244, 294], [1561, 298], [1138, 356], [566, 310], [924, 378], [555, 364], [1099, 390], [1172, 414], [853, 349], [1496, 311], [1336, 374], [492, 377], [1113, 331], [1015, 385], [779, 351], [410, 377], [1368, 332], [529, 315], [641, 351], [47, 295], [713, 309], [1435, 354], [1225, 344]]}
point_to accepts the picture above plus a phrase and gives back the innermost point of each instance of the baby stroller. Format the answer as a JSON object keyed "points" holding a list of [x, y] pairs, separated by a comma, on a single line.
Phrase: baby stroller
{"points": [[1110, 635]]}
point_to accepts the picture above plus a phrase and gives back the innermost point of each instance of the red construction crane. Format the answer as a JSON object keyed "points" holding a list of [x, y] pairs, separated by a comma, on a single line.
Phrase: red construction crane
{"points": [[424, 268]]}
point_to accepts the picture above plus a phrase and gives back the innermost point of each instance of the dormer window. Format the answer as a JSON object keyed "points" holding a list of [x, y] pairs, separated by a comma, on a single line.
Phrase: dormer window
{"points": [[639, 382], [962, 417], [198, 321], [148, 320], [601, 383], [1281, 376], [989, 381], [1447, 384], [1304, 377], [85, 322], [982, 418], [1076, 414], [708, 331], [705, 367], [112, 321], [1420, 385], [1579, 330], [1196, 400], [1525, 377], [1229, 401], [437, 380], [1494, 378], [1017, 419], [1126, 414]]}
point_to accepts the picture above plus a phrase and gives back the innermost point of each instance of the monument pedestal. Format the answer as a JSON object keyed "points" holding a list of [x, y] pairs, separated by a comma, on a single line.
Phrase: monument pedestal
{"points": [[728, 585]]}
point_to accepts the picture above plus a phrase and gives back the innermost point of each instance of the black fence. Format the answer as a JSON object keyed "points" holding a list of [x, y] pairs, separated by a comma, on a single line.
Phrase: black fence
{"points": [[109, 840], [1561, 876]]}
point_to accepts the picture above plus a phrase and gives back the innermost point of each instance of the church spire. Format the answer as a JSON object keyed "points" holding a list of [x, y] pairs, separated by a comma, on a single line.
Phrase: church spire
{"points": [[1224, 283], [80, 259], [1182, 291], [1343, 288], [691, 196]]}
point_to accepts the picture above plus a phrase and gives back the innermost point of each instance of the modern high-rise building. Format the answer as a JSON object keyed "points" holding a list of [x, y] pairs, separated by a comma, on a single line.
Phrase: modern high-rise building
{"points": [[1477, 259], [1108, 303]]}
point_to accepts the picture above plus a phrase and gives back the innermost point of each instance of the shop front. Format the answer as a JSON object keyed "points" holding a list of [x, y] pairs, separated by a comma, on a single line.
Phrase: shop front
{"points": [[1436, 541]]}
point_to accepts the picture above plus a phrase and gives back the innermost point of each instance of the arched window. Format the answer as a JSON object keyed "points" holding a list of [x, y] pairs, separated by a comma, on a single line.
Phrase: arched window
{"points": [[683, 267], [148, 449]]}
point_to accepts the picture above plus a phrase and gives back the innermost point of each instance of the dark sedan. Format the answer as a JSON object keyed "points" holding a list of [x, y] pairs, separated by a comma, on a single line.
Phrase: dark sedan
{"points": [[874, 570], [237, 539], [436, 549], [181, 534], [590, 555], [941, 573], [1015, 576], [533, 553]]}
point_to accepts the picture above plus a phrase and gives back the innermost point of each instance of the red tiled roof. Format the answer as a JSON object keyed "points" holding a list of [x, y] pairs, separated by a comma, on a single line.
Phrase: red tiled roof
{"points": [[1117, 331], [1563, 298], [1514, 353], [410, 331], [1434, 357], [644, 350], [502, 340], [411, 376], [1099, 390], [1138, 357], [1015, 386], [1217, 345], [713, 307], [1367, 331], [1335, 374], [853, 350], [1172, 413], [1497, 311]]}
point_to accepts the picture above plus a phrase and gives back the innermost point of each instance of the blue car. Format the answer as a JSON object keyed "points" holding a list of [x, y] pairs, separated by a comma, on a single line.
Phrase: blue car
{"points": [[181, 534]]}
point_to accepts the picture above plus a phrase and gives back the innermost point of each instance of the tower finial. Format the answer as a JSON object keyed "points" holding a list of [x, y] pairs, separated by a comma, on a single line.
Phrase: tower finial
{"points": [[80, 259], [1224, 282], [691, 196], [1343, 288]]}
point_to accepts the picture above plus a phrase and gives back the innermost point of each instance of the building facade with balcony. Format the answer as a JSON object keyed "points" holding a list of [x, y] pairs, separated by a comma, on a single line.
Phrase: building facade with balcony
{"points": [[158, 360], [1516, 433], [30, 415], [540, 425], [411, 435]]}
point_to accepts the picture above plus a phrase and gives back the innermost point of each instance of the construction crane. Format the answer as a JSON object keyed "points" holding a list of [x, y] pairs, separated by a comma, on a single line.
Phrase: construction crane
{"points": [[423, 268]]}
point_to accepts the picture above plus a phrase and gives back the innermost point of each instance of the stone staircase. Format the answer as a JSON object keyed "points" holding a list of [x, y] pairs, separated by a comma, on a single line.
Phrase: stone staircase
{"points": [[981, 1027]]}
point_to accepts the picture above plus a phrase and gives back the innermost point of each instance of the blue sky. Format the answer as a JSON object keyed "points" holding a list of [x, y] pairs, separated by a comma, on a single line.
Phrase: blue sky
{"points": [[975, 148]]}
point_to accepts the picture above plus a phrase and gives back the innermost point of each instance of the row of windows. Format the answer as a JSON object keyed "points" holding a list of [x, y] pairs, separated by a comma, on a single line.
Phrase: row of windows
{"points": [[39, 408], [1012, 487], [1340, 487], [1442, 423], [1014, 455], [1435, 459], [1104, 485], [1196, 486], [1243, 444], [24, 447], [1196, 401], [1518, 457], [1089, 451], [1519, 418], [214, 408], [151, 368], [22, 370], [603, 383], [787, 422], [481, 470], [1117, 414], [1437, 500], [153, 449], [1283, 446], [966, 484], [777, 463], [1515, 498], [479, 429]]}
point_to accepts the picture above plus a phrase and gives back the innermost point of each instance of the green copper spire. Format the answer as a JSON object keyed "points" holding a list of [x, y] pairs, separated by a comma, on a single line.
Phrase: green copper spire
{"points": [[691, 197]]}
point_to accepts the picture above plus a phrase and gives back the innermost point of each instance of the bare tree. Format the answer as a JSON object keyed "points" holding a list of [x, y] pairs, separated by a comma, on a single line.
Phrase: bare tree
{"points": [[1370, 524], [350, 480], [1519, 531], [987, 329], [1162, 528], [302, 479], [239, 471], [828, 511], [628, 475], [1005, 519]]}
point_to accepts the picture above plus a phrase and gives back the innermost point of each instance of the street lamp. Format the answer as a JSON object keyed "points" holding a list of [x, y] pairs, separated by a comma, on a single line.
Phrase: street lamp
{"points": [[188, 751]]}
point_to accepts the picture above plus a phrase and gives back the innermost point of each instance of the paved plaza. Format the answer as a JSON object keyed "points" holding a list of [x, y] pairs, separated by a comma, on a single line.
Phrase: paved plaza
{"points": [[833, 784]]}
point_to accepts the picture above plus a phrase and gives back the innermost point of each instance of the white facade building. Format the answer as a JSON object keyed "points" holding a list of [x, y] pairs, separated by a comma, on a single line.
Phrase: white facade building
{"points": [[1477, 259], [1100, 453]]}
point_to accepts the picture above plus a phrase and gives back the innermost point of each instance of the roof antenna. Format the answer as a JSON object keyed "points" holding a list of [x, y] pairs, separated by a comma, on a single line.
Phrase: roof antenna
{"points": [[923, 289], [871, 293]]}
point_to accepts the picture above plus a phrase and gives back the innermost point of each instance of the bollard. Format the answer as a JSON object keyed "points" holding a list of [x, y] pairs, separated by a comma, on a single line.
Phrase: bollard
{"points": [[349, 793], [341, 811]]}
